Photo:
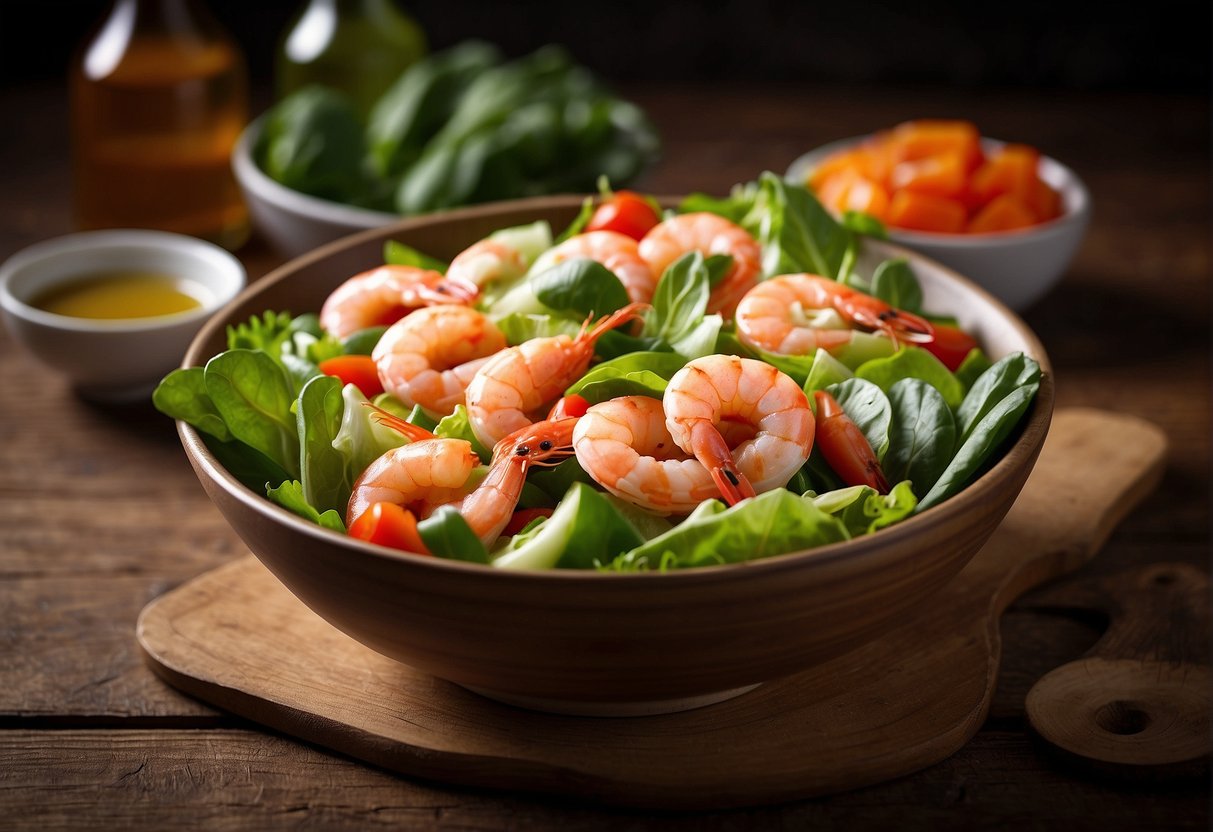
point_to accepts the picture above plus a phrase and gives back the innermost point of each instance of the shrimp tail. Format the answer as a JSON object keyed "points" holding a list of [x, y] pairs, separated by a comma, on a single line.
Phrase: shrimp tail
{"points": [[449, 290], [414, 433], [713, 452], [631, 312]]}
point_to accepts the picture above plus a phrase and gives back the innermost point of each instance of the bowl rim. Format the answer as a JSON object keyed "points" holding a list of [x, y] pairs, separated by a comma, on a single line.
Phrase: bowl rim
{"points": [[230, 277], [249, 174], [1074, 193], [881, 544]]}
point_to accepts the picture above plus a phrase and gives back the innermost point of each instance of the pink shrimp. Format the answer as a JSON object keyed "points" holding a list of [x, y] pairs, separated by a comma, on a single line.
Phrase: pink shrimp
{"points": [[618, 252], [485, 261], [720, 394], [624, 445], [430, 472], [386, 294], [785, 315], [520, 381], [429, 357], [708, 234]]}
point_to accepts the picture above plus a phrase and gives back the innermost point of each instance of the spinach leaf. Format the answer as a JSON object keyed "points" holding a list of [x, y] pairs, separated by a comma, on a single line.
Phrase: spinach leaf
{"points": [[289, 495], [979, 443], [868, 407], [363, 341], [182, 395], [866, 224], [581, 285], [913, 362], [252, 468], [253, 395], [680, 299], [923, 435], [313, 142], [447, 535], [796, 233], [894, 282], [734, 207], [1014, 372], [579, 222], [974, 364], [634, 374]]}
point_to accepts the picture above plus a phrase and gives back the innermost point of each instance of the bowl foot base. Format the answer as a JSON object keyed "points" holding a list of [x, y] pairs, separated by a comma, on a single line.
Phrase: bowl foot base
{"points": [[576, 707]]}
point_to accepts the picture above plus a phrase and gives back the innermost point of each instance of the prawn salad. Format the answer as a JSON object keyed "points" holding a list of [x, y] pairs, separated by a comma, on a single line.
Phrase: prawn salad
{"points": [[647, 391]]}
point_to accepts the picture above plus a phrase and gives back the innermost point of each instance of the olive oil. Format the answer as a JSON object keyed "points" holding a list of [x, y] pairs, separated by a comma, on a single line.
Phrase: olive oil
{"points": [[158, 100], [119, 294]]}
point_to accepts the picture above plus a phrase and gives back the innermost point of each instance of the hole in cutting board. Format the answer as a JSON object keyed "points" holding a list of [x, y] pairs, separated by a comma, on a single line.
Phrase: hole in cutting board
{"points": [[1123, 718]]}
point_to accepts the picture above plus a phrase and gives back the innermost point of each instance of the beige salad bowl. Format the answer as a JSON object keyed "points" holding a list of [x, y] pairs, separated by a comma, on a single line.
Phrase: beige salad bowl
{"points": [[591, 643]]}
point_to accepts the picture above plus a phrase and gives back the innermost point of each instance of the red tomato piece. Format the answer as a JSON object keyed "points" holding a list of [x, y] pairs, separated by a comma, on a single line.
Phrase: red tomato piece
{"points": [[387, 524], [358, 370], [951, 345], [625, 212], [523, 517]]}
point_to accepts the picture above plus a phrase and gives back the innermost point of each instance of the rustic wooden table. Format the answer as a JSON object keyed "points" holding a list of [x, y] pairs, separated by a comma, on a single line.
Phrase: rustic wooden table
{"points": [[100, 512]]}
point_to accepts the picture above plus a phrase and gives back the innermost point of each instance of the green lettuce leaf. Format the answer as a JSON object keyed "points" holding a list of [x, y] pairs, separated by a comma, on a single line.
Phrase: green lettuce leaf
{"points": [[586, 529], [324, 477], [863, 510], [253, 395], [289, 495], [182, 395], [913, 363]]}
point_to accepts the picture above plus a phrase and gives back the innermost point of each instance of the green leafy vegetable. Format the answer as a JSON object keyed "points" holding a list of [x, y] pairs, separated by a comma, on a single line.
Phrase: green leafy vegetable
{"points": [[585, 529], [253, 395], [360, 439], [1014, 372], [634, 374], [396, 253], [457, 426], [447, 535], [312, 141], [863, 510], [923, 436], [289, 495], [582, 286], [323, 474], [825, 371], [913, 363], [182, 395], [868, 407], [773, 523], [894, 282]]}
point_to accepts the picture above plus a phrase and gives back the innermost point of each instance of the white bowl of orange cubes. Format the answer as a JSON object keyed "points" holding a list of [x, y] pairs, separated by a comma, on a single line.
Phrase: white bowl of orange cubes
{"points": [[1002, 214]]}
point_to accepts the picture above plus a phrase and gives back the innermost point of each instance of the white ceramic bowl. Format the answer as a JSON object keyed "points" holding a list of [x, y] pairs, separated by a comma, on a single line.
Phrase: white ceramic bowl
{"points": [[1019, 267], [293, 222], [114, 359]]}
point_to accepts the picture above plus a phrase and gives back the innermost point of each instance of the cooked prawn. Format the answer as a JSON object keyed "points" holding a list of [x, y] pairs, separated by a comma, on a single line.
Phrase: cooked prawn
{"points": [[845, 448], [386, 294], [618, 252], [708, 234], [706, 398], [519, 381], [486, 261], [428, 357], [794, 314], [625, 446], [430, 472]]}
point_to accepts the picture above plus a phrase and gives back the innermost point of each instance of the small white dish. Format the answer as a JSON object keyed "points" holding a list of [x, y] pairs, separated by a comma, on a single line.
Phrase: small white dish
{"points": [[292, 222], [1019, 267], [114, 359]]}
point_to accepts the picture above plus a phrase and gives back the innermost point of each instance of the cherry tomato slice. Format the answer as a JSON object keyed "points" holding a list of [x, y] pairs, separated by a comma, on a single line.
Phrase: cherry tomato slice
{"points": [[569, 407], [950, 346], [358, 370], [389, 525], [625, 212], [522, 517]]}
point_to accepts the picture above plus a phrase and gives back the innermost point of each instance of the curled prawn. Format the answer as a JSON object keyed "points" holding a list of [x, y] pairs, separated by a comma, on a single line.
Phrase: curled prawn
{"points": [[793, 314], [618, 252], [429, 357], [486, 261], [720, 396], [624, 445], [519, 381], [384, 295], [708, 234], [430, 472]]}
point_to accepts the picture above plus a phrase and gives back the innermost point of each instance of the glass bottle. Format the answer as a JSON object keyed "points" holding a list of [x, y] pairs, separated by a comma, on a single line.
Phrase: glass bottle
{"points": [[159, 97], [357, 46]]}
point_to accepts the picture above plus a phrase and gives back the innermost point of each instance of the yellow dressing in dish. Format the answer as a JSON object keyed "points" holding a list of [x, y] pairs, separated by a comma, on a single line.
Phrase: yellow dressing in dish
{"points": [[118, 294]]}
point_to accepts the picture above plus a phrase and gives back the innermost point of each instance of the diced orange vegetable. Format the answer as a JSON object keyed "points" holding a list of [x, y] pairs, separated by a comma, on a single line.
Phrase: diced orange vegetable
{"points": [[922, 212], [1004, 213], [1011, 170], [389, 525], [930, 137], [932, 175], [848, 190], [359, 370], [942, 174], [1044, 202]]}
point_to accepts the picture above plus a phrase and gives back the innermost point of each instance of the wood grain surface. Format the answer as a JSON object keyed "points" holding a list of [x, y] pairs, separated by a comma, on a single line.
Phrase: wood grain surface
{"points": [[235, 637], [100, 513]]}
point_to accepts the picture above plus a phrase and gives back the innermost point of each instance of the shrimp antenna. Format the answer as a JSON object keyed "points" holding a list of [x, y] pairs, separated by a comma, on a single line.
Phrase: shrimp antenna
{"points": [[415, 433]]}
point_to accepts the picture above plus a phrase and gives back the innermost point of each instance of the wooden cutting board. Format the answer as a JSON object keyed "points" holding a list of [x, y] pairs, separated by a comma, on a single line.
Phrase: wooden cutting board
{"points": [[238, 639]]}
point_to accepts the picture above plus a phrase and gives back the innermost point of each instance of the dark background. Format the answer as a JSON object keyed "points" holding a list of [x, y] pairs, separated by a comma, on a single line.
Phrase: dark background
{"points": [[1162, 47]]}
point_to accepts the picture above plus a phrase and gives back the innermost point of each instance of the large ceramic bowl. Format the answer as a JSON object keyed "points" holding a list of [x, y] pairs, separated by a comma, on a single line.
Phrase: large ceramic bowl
{"points": [[1019, 267], [584, 642]]}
